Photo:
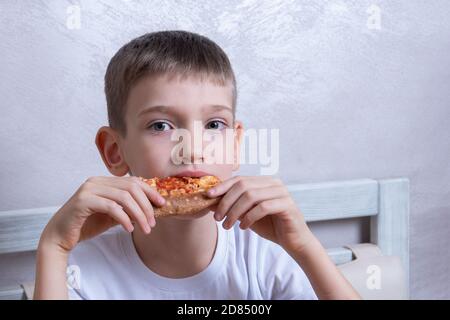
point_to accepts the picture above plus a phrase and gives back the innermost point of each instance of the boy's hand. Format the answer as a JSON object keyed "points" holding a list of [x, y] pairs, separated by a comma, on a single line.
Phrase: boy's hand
{"points": [[99, 204], [264, 205]]}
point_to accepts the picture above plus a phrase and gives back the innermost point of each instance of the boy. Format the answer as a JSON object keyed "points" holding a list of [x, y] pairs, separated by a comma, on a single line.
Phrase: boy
{"points": [[158, 83]]}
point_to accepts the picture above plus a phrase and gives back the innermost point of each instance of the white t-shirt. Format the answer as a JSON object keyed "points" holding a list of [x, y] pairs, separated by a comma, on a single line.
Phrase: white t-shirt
{"points": [[244, 266]]}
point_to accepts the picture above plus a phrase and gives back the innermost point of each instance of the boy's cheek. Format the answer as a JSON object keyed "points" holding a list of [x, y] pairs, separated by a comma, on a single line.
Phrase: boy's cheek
{"points": [[222, 171], [151, 163]]}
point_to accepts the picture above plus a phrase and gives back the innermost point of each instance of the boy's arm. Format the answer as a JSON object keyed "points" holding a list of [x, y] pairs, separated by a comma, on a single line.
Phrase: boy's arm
{"points": [[264, 205], [99, 204], [326, 280], [51, 266]]}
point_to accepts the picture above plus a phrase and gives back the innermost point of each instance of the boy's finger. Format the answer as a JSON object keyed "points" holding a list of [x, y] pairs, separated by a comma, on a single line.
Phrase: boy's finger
{"points": [[135, 186], [127, 202], [152, 194], [263, 209], [236, 190], [249, 199], [223, 187], [138, 193], [111, 208], [123, 183], [226, 185]]}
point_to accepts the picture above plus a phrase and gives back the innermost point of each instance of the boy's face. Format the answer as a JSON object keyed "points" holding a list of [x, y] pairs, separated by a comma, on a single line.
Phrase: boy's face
{"points": [[156, 107]]}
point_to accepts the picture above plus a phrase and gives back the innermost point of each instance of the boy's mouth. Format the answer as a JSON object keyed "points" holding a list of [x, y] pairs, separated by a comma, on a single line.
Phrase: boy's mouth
{"points": [[192, 173]]}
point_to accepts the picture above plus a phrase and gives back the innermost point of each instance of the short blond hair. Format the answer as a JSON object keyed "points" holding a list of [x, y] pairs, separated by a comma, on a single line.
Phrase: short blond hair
{"points": [[165, 52]]}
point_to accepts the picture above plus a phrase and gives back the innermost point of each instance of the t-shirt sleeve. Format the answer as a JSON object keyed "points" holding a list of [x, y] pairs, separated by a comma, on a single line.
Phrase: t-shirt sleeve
{"points": [[281, 278]]}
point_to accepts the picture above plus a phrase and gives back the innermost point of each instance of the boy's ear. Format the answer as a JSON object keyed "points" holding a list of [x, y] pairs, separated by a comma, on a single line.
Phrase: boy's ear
{"points": [[238, 135], [107, 141]]}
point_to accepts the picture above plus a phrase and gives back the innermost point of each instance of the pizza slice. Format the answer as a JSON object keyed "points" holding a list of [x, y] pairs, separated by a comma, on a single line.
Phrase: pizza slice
{"points": [[184, 195]]}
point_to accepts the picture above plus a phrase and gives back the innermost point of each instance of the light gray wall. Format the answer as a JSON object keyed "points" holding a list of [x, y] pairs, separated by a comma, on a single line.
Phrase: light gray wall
{"points": [[351, 101]]}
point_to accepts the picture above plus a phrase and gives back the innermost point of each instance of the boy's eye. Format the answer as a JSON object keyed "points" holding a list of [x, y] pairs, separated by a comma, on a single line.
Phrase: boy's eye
{"points": [[215, 125], [160, 126]]}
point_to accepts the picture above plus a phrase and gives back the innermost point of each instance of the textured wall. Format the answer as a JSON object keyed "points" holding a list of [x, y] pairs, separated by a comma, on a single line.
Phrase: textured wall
{"points": [[351, 100]]}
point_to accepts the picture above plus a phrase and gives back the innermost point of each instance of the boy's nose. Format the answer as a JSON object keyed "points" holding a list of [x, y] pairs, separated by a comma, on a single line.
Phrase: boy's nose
{"points": [[197, 143], [196, 156], [193, 152]]}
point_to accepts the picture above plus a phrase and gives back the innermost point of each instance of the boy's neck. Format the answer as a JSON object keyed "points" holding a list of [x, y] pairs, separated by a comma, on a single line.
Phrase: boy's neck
{"points": [[178, 248]]}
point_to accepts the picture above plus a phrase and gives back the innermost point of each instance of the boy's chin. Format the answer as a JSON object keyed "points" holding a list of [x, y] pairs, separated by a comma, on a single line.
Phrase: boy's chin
{"points": [[193, 216]]}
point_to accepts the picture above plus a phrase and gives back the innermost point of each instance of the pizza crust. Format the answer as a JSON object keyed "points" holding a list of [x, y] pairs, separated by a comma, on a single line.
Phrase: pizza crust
{"points": [[185, 204]]}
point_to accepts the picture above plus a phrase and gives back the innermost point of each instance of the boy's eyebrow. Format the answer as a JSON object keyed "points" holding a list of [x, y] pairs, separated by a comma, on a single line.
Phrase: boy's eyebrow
{"points": [[217, 107], [162, 109], [169, 110]]}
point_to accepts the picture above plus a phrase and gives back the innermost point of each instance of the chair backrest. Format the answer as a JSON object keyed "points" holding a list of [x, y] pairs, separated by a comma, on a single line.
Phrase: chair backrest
{"points": [[386, 202]]}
